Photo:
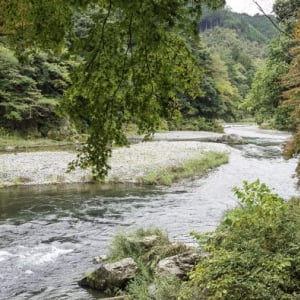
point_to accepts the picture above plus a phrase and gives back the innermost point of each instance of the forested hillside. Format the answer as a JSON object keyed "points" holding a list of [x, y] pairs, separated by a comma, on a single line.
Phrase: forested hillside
{"points": [[255, 28], [231, 47]]}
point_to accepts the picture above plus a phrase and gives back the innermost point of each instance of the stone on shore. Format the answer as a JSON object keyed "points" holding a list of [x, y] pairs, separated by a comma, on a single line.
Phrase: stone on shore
{"points": [[179, 265], [111, 275]]}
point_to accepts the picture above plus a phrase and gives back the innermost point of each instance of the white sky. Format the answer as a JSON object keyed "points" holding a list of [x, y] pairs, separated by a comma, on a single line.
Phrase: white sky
{"points": [[249, 7]]}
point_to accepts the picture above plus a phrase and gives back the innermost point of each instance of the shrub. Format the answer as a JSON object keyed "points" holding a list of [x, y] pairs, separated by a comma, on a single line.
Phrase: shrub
{"points": [[254, 252]]}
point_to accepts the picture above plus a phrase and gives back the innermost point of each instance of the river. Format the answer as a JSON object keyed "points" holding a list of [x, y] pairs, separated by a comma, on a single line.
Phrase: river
{"points": [[49, 234]]}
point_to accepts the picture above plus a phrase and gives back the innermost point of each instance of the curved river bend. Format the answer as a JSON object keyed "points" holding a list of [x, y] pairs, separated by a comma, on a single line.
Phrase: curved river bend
{"points": [[49, 235]]}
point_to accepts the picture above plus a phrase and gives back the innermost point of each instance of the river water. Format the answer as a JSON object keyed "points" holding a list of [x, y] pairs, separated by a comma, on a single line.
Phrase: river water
{"points": [[49, 235]]}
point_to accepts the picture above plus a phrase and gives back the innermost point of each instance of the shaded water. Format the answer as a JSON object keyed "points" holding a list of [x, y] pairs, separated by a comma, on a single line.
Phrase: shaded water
{"points": [[49, 235]]}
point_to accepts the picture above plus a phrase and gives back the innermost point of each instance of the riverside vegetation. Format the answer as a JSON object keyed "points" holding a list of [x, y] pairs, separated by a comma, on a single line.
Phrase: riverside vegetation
{"points": [[253, 254], [190, 168]]}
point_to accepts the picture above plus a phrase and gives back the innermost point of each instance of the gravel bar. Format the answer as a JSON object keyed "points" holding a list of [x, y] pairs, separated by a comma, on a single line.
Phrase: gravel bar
{"points": [[127, 163]]}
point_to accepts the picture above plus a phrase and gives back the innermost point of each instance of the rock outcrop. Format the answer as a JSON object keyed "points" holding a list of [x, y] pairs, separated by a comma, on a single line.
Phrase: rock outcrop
{"points": [[230, 139], [111, 275], [179, 265]]}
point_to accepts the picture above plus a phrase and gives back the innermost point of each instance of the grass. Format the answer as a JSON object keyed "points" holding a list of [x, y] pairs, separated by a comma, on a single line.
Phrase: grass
{"points": [[130, 245], [191, 168], [16, 142]]}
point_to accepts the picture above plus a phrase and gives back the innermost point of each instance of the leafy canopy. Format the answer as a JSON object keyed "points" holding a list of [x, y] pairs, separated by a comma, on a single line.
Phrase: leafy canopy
{"points": [[133, 62]]}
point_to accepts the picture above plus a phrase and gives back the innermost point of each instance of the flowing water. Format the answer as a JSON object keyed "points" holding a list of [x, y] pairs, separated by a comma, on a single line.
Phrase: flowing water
{"points": [[49, 235]]}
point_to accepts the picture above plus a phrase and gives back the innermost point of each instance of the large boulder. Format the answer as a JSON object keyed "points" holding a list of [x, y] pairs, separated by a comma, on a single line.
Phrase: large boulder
{"points": [[111, 275], [179, 265]]}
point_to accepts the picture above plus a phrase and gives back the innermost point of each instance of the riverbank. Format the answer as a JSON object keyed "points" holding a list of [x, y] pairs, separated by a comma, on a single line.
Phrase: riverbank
{"points": [[128, 165]]}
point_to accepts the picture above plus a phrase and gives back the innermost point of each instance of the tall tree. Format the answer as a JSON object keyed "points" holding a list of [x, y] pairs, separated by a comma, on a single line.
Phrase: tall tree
{"points": [[265, 97], [291, 83]]}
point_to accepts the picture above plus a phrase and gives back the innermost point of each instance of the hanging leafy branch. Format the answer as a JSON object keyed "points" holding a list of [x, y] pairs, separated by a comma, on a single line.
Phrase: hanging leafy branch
{"points": [[133, 63]]}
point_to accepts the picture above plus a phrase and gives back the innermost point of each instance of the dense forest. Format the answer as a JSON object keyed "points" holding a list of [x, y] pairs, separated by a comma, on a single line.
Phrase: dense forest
{"points": [[230, 49], [240, 67]]}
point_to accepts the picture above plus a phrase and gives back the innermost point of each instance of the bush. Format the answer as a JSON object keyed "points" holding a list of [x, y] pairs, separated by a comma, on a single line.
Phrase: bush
{"points": [[254, 253]]}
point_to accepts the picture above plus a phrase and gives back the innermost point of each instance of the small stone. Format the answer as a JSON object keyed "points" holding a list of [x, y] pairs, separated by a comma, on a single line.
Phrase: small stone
{"points": [[152, 290], [100, 259]]}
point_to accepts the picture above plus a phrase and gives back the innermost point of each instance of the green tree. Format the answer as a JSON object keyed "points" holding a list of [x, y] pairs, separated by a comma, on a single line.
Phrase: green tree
{"points": [[30, 92], [254, 28], [216, 100], [135, 62], [235, 60], [291, 95], [265, 97]]}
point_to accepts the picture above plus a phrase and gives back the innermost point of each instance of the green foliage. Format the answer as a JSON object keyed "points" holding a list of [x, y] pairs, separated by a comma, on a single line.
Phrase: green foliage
{"points": [[196, 124], [133, 62], [273, 97], [128, 244], [218, 96], [167, 287], [188, 169], [234, 61], [30, 23], [291, 83], [254, 253], [30, 91], [265, 97], [286, 12], [238, 46], [164, 287]]}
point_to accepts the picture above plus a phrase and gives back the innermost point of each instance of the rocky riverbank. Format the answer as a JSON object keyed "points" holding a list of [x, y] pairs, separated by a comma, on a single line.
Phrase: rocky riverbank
{"points": [[127, 164]]}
